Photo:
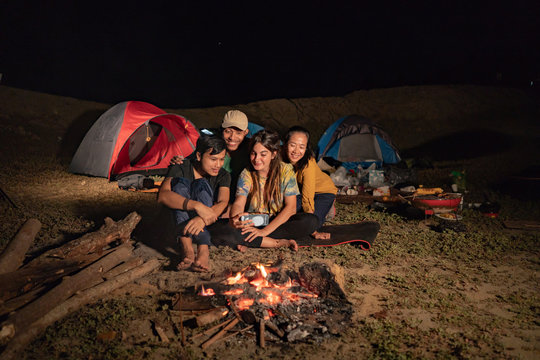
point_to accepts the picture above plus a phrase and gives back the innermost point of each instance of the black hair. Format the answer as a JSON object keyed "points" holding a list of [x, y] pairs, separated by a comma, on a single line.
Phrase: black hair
{"points": [[309, 154], [206, 142]]}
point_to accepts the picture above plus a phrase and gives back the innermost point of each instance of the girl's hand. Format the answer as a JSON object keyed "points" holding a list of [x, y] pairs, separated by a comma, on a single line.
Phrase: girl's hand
{"points": [[253, 233], [239, 224]]}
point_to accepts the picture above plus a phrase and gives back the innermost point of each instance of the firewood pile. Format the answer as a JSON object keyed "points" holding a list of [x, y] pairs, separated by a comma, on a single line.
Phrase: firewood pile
{"points": [[56, 283], [266, 303]]}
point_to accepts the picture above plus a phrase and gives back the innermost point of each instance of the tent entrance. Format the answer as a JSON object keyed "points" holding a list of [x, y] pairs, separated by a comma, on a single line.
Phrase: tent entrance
{"points": [[359, 147], [142, 141]]}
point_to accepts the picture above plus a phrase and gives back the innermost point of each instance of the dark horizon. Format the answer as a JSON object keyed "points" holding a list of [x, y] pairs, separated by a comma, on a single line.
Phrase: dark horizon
{"points": [[199, 56]]}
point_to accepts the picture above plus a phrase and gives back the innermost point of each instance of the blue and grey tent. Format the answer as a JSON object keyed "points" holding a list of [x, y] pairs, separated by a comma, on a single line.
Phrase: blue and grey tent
{"points": [[354, 140]]}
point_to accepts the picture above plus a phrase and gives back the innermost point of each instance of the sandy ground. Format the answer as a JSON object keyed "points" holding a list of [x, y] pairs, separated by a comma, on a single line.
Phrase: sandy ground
{"points": [[429, 295]]}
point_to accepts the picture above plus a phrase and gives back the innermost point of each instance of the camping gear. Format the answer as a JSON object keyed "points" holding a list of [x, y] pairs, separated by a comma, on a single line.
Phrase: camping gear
{"points": [[361, 234], [376, 178], [133, 137], [135, 181], [443, 203], [355, 140]]}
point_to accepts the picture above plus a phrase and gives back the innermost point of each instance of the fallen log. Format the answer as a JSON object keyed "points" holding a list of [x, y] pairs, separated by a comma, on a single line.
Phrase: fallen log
{"points": [[23, 338], [95, 241], [26, 279], [13, 255], [21, 319]]}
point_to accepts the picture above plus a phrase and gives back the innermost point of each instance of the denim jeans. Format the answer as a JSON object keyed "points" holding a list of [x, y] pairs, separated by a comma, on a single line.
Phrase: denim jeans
{"points": [[323, 204], [197, 190]]}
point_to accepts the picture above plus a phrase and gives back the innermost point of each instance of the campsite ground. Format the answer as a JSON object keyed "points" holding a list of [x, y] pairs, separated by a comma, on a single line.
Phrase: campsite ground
{"points": [[416, 293]]}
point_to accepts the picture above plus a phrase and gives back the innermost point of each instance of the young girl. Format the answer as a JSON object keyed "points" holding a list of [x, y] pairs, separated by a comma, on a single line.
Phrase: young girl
{"points": [[318, 191], [269, 187]]}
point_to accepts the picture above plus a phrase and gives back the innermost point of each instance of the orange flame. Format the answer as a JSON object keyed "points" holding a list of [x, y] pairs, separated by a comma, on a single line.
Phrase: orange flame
{"points": [[207, 292], [237, 279]]}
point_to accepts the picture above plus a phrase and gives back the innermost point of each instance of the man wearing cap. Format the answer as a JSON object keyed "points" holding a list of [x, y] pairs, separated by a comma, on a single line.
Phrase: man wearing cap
{"points": [[234, 130]]}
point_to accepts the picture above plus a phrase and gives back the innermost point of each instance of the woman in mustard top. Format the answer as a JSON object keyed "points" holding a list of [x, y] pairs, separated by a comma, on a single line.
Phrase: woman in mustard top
{"points": [[317, 190]]}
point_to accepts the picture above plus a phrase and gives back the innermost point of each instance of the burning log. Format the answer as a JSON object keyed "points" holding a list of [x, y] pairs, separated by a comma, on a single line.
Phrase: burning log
{"points": [[21, 339], [13, 255], [70, 285], [95, 241]]}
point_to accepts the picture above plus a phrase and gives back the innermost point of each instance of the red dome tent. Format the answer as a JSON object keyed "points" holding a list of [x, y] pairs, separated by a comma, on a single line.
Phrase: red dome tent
{"points": [[133, 137]]}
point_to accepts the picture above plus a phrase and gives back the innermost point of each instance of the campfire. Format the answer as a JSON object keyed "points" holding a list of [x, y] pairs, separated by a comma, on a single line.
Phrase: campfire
{"points": [[270, 303]]}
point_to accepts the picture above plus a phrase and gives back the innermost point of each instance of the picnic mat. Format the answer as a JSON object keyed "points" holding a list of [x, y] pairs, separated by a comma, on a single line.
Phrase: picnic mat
{"points": [[360, 234]]}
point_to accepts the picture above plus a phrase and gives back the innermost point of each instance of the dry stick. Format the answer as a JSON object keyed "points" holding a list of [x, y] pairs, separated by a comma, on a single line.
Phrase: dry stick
{"points": [[235, 333], [208, 331], [69, 286], [95, 241], [182, 333], [211, 316], [19, 342], [261, 332], [220, 334], [13, 255], [124, 267]]}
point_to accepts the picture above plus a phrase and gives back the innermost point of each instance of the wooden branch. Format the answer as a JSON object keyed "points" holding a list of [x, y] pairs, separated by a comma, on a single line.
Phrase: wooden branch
{"points": [[220, 334], [95, 241], [262, 327], [18, 282], [23, 318], [124, 267], [211, 316], [13, 255], [20, 301], [21, 339]]}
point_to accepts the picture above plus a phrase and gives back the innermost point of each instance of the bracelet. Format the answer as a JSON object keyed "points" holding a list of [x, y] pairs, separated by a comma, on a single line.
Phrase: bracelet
{"points": [[185, 204]]}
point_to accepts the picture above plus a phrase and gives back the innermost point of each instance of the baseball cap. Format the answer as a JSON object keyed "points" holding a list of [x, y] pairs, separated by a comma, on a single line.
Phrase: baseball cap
{"points": [[235, 118]]}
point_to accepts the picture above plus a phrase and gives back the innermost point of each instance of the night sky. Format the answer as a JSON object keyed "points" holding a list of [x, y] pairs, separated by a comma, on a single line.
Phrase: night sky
{"points": [[196, 54]]}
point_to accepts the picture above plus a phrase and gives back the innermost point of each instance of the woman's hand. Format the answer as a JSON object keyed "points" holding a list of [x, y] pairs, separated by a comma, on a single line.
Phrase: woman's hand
{"points": [[194, 226], [253, 233], [239, 224]]}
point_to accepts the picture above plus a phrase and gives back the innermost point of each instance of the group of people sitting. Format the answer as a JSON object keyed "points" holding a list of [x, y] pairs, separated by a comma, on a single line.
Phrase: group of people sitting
{"points": [[231, 176]]}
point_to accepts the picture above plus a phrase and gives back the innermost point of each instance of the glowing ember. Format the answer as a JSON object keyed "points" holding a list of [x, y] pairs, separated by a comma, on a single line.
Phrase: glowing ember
{"points": [[257, 276], [207, 292], [233, 292], [244, 304]]}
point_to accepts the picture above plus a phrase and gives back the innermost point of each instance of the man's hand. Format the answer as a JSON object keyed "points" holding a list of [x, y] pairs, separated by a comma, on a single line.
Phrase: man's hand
{"points": [[177, 160], [206, 213], [194, 226]]}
